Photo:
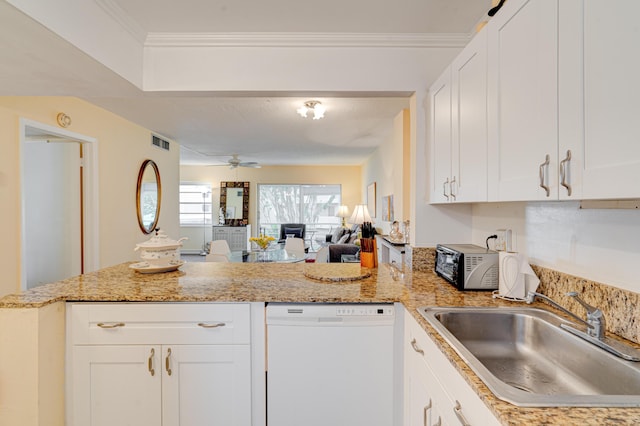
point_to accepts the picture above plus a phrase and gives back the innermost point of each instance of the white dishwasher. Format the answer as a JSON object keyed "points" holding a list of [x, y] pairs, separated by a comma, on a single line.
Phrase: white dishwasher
{"points": [[330, 364]]}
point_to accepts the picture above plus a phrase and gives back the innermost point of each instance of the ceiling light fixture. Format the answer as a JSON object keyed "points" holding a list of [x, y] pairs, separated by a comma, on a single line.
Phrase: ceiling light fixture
{"points": [[312, 106]]}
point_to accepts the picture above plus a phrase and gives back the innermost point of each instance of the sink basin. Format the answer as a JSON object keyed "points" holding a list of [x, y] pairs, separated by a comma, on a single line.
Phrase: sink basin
{"points": [[525, 358]]}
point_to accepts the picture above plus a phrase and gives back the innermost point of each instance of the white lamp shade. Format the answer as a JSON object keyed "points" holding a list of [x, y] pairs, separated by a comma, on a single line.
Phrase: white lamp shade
{"points": [[343, 211], [360, 215]]}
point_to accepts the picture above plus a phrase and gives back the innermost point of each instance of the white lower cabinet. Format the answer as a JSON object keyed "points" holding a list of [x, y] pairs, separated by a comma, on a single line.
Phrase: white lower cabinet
{"points": [[191, 365], [435, 393], [113, 385]]}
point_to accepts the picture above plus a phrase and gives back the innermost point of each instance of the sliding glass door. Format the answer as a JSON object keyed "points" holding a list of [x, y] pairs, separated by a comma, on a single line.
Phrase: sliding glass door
{"points": [[314, 205]]}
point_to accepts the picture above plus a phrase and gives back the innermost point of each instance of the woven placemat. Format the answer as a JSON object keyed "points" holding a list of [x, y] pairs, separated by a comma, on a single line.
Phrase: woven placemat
{"points": [[336, 271]]}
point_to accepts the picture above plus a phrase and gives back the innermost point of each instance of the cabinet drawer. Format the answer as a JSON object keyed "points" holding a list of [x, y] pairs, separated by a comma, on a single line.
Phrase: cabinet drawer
{"points": [[154, 323]]}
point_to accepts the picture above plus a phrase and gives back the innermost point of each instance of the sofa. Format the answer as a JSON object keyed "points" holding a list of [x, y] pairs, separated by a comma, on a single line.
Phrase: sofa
{"points": [[342, 235], [334, 252]]}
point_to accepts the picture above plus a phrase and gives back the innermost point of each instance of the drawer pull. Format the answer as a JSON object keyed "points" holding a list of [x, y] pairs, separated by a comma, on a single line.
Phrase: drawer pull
{"points": [[425, 410], [542, 175], [110, 324], [458, 411], [564, 164], [211, 325], [416, 348], [167, 362], [438, 423], [151, 356], [444, 188]]}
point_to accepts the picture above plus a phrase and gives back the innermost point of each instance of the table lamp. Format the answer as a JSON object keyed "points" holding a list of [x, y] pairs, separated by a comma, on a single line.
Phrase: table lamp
{"points": [[361, 217], [343, 213]]}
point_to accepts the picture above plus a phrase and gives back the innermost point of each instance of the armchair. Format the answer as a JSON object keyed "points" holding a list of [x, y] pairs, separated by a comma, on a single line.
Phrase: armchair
{"points": [[296, 229]]}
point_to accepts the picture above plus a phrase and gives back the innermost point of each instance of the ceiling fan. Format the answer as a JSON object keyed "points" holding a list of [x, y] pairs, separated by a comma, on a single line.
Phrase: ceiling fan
{"points": [[235, 162]]}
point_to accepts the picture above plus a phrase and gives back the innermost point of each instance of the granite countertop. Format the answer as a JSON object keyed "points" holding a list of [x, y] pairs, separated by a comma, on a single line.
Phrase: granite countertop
{"points": [[273, 282]]}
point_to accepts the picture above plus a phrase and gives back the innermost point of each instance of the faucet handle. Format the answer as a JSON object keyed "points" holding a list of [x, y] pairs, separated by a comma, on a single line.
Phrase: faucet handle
{"points": [[595, 317], [590, 309]]}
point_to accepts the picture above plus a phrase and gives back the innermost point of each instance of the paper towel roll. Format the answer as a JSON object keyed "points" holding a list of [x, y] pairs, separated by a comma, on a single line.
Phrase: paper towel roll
{"points": [[510, 279], [515, 276]]}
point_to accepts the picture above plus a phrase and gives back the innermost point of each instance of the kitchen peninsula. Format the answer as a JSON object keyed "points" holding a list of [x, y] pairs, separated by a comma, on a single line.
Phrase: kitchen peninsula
{"points": [[32, 325]]}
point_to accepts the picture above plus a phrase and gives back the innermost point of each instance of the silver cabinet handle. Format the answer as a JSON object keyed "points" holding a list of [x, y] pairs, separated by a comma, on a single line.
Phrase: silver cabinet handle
{"points": [[416, 348], [452, 185], [444, 189], [542, 180], [211, 325], [110, 324], [425, 410], [563, 172], [150, 362], [167, 362], [458, 411]]}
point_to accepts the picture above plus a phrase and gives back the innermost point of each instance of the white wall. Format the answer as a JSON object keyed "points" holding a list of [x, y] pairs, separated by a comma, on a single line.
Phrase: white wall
{"points": [[600, 245], [386, 168], [52, 211]]}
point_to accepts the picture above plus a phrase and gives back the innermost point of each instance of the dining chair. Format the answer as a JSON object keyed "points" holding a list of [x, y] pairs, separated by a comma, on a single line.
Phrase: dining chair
{"points": [[216, 258], [322, 255], [219, 247], [294, 246]]}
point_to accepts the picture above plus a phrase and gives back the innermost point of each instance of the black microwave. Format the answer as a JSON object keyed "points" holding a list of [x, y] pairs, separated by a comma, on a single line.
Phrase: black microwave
{"points": [[467, 266]]}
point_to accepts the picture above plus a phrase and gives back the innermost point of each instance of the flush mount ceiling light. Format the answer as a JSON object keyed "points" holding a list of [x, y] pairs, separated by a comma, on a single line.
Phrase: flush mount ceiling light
{"points": [[312, 106]]}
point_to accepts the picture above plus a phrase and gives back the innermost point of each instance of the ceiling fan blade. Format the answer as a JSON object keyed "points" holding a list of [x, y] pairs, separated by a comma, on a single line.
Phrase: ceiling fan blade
{"points": [[252, 164]]}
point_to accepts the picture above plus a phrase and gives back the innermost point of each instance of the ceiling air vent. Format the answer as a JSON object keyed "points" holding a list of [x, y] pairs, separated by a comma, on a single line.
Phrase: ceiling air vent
{"points": [[160, 143]]}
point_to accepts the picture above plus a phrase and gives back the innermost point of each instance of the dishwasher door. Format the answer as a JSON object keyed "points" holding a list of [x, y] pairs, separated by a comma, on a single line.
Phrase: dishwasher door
{"points": [[330, 364]]}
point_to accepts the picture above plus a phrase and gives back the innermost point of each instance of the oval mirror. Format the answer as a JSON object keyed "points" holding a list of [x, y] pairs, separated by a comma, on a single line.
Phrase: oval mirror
{"points": [[148, 196]]}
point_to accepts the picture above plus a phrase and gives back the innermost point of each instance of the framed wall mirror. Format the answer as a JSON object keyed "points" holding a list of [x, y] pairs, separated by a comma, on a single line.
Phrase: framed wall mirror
{"points": [[234, 201], [148, 196]]}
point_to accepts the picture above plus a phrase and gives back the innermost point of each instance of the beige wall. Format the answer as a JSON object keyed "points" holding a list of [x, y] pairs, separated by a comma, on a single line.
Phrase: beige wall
{"points": [[122, 146], [32, 366], [388, 167], [347, 176]]}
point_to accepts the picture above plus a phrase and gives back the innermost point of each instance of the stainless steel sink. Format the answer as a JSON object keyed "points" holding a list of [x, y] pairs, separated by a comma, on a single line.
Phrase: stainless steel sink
{"points": [[525, 358]]}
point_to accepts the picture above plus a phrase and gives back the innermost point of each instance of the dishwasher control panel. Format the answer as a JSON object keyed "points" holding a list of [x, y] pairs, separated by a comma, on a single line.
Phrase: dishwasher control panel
{"points": [[364, 310]]}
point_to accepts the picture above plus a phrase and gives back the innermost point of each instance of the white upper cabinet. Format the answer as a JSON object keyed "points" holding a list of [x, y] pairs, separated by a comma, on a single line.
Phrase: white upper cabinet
{"points": [[440, 135], [523, 101], [598, 98], [559, 119], [458, 102], [469, 118]]}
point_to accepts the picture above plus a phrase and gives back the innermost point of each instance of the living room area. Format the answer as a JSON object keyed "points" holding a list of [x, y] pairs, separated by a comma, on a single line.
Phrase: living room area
{"points": [[308, 194]]}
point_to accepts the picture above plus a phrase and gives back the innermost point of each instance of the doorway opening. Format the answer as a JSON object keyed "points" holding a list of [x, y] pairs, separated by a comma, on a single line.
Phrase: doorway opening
{"points": [[59, 204]]}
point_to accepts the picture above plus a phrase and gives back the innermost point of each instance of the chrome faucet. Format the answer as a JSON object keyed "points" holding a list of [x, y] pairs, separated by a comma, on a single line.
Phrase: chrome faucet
{"points": [[595, 327], [532, 295]]}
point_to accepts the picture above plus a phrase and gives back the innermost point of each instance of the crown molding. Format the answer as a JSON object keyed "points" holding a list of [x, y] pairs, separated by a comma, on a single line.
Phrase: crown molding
{"points": [[305, 40], [123, 19]]}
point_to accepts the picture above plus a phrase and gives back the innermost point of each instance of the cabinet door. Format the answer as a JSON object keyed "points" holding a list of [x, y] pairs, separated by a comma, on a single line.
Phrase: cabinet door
{"points": [[116, 385], [523, 94], [237, 239], [206, 385], [419, 403], [469, 118], [604, 108], [440, 135]]}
